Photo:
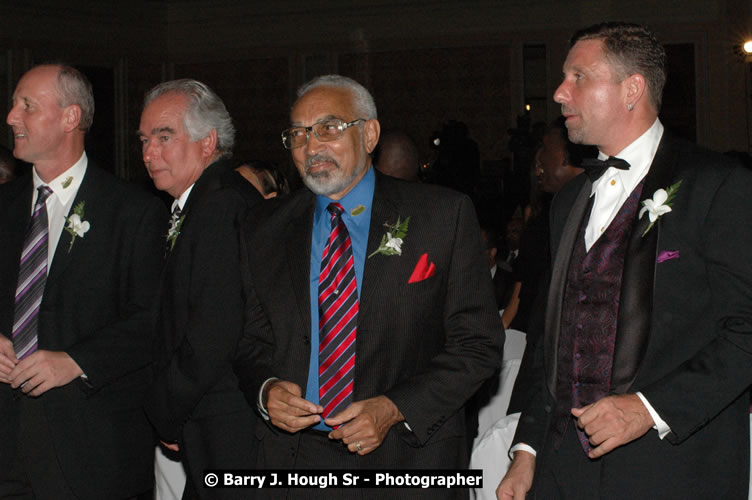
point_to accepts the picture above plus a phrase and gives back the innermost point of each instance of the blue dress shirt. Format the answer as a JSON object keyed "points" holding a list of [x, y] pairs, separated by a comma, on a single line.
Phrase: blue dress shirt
{"points": [[357, 226]]}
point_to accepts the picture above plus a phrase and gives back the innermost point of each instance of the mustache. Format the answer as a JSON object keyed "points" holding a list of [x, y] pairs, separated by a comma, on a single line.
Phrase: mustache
{"points": [[318, 159]]}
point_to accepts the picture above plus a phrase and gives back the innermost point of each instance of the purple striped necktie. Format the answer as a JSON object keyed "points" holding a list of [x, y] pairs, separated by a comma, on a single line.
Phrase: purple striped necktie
{"points": [[338, 318], [32, 275]]}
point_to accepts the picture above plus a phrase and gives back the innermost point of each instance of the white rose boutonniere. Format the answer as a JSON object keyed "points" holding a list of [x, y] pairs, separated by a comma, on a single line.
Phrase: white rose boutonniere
{"points": [[659, 205], [75, 224], [391, 242]]}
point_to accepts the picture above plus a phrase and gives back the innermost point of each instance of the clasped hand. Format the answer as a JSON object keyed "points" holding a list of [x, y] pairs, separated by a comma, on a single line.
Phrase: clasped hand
{"points": [[37, 373], [362, 426]]}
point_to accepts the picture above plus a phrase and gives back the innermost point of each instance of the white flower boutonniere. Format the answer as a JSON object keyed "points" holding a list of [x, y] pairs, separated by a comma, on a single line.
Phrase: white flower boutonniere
{"points": [[76, 225], [659, 205], [391, 242], [176, 222]]}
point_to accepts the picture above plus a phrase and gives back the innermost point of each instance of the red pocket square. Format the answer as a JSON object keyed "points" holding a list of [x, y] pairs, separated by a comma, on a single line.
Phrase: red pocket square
{"points": [[423, 269]]}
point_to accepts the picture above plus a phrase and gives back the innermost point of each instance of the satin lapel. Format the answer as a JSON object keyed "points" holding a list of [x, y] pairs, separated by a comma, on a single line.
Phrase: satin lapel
{"points": [[383, 211], [638, 279], [297, 241], [558, 280]]}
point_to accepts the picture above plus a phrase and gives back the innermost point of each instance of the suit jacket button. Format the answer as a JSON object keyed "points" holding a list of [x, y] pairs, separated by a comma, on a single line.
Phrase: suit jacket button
{"points": [[547, 408]]}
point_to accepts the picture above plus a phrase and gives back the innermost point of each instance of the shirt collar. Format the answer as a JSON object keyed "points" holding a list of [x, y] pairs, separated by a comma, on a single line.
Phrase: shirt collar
{"points": [[355, 202], [180, 200], [64, 186], [639, 154]]}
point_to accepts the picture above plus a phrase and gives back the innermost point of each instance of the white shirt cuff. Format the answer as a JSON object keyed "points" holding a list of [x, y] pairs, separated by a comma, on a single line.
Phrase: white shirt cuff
{"points": [[260, 403], [659, 424], [520, 447]]}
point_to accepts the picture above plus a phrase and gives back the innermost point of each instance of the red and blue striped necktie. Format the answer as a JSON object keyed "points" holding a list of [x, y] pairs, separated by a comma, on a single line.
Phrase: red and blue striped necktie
{"points": [[338, 318]]}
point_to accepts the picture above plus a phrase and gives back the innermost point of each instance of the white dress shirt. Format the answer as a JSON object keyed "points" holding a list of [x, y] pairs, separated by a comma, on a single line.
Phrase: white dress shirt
{"points": [[64, 189], [613, 188]]}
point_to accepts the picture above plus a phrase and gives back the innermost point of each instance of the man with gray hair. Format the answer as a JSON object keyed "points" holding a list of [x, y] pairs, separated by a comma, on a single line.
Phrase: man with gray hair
{"points": [[383, 320], [195, 405], [80, 259]]}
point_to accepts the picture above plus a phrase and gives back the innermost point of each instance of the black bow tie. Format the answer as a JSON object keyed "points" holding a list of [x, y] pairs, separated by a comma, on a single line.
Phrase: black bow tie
{"points": [[594, 167]]}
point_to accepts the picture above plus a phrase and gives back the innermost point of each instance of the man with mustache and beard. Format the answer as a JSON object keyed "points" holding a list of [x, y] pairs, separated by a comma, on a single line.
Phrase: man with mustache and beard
{"points": [[380, 329]]}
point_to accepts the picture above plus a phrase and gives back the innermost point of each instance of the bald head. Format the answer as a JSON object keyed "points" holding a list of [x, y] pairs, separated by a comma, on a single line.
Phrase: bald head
{"points": [[397, 156]]}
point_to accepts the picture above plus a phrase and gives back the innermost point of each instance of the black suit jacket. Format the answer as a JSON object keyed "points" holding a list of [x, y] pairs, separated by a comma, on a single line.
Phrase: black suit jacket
{"points": [[684, 332], [195, 399], [96, 307], [427, 346]]}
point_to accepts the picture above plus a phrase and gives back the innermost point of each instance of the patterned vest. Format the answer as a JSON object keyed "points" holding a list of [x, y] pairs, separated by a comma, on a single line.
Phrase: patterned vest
{"points": [[589, 315]]}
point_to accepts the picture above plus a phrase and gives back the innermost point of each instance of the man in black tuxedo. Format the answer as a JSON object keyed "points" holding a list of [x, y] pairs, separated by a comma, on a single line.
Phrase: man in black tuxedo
{"points": [[419, 305], [195, 404], [71, 403], [647, 355]]}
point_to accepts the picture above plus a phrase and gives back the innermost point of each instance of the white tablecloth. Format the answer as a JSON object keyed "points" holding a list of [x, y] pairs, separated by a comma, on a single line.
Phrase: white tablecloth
{"points": [[496, 408], [490, 454], [169, 477]]}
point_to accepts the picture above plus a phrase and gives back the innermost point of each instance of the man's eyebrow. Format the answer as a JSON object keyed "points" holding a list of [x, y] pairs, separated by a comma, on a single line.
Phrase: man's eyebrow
{"points": [[323, 118], [156, 131]]}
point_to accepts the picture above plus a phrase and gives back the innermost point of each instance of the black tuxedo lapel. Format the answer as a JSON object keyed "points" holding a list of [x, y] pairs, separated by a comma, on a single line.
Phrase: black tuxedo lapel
{"points": [[383, 211], [559, 277], [637, 285]]}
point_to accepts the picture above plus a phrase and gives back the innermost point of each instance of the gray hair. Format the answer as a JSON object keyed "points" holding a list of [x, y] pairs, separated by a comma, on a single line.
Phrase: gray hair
{"points": [[363, 103], [205, 112], [74, 88]]}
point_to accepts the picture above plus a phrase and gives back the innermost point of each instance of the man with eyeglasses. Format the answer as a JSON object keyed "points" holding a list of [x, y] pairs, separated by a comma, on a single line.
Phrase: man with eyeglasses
{"points": [[382, 316]]}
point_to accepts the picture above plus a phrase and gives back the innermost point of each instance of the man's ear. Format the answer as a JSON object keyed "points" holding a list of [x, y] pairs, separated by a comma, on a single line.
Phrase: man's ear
{"points": [[209, 144], [71, 117], [371, 131], [635, 86]]}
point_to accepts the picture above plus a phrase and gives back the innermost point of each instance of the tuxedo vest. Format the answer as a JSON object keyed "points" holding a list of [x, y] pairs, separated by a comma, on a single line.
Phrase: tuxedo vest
{"points": [[590, 309]]}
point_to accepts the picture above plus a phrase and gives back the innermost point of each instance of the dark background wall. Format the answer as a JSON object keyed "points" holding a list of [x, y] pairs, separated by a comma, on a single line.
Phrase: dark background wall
{"points": [[426, 61]]}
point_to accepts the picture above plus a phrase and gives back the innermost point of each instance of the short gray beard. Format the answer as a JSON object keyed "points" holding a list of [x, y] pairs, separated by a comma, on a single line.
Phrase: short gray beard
{"points": [[330, 182]]}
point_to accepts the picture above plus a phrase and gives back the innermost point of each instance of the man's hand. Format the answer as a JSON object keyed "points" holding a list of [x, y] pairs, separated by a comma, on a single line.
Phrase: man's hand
{"points": [[8, 359], [287, 409], [613, 421], [44, 370], [366, 424], [519, 478]]}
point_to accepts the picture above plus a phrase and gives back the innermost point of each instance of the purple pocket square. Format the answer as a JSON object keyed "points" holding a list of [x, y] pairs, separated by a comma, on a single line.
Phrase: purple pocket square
{"points": [[667, 255]]}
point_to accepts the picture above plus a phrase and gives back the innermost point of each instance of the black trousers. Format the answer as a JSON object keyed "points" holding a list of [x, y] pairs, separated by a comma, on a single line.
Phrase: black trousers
{"points": [[566, 473]]}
